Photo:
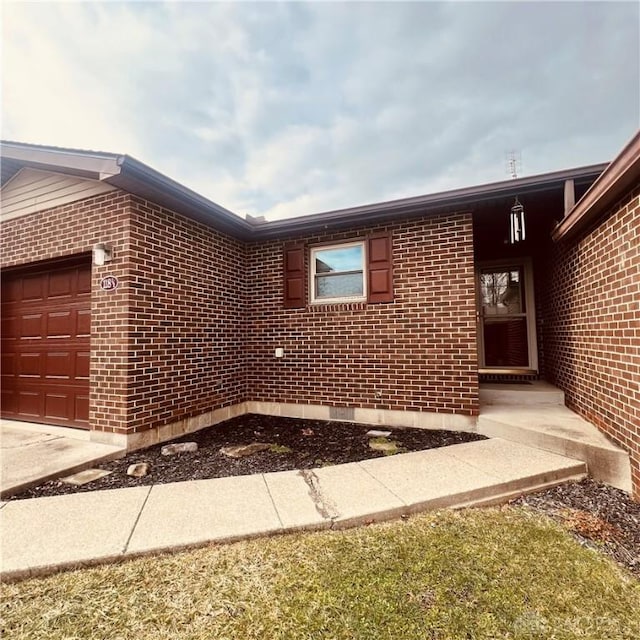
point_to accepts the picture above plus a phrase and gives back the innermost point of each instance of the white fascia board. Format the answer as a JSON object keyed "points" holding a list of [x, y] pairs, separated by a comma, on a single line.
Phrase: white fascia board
{"points": [[103, 166]]}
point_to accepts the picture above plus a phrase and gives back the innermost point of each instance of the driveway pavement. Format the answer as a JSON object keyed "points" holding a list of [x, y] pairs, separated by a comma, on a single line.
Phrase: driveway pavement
{"points": [[31, 454]]}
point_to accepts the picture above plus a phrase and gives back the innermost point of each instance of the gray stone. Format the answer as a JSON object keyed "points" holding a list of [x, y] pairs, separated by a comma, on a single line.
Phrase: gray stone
{"points": [[179, 447], [374, 433], [82, 477], [242, 450], [138, 470]]}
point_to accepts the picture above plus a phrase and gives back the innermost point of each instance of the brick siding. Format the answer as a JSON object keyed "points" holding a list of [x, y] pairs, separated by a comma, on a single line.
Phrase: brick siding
{"points": [[417, 353], [167, 343], [592, 326], [187, 309]]}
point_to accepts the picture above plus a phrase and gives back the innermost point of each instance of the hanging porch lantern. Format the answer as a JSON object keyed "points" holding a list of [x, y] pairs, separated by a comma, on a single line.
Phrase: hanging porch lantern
{"points": [[516, 223]]}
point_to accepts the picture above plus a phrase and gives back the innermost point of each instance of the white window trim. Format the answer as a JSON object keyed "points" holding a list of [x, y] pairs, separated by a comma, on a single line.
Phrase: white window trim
{"points": [[312, 273]]}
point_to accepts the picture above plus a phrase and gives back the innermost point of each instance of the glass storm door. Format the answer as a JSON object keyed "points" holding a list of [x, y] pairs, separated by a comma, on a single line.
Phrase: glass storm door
{"points": [[506, 318]]}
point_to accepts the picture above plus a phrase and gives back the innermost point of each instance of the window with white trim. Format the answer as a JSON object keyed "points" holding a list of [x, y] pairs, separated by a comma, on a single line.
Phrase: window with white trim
{"points": [[338, 273]]}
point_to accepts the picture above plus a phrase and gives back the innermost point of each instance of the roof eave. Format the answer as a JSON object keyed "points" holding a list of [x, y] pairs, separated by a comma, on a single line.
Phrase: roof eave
{"points": [[621, 175], [100, 166], [458, 199], [143, 181]]}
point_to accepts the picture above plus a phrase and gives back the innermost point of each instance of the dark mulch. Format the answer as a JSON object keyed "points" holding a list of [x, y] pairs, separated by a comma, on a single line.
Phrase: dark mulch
{"points": [[599, 516], [299, 444]]}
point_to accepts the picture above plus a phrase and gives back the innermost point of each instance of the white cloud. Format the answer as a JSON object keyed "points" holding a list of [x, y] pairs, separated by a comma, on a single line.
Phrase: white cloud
{"points": [[292, 108]]}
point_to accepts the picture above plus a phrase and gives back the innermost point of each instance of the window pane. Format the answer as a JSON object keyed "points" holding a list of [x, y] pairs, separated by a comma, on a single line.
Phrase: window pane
{"points": [[506, 342], [345, 259], [338, 286], [501, 293]]}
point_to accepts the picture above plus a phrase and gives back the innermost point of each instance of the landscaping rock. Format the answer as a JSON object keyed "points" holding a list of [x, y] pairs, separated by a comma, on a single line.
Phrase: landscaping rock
{"points": [[374, 433], [82, 477], [179, 447], [381, 444], [243, 450], [138, 470]]}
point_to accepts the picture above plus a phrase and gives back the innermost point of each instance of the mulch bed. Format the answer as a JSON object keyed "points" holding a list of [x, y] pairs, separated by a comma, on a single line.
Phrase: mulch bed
{"points": [[599, 516], [296, 444]]}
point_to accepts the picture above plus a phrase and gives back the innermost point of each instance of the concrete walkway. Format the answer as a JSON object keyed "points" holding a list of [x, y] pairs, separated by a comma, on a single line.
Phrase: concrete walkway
{"points": [[45, 535], [536, 416], [32, 454]]}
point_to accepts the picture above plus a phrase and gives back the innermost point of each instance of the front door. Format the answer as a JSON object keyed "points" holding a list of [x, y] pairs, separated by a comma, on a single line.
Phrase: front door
{"points": [[506, 318]]}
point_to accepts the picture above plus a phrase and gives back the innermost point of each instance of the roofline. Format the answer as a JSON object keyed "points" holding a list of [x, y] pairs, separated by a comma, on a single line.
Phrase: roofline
{"points": [[129, 174], [622, 174], [102, 164], [199, 207], [456, 198]]}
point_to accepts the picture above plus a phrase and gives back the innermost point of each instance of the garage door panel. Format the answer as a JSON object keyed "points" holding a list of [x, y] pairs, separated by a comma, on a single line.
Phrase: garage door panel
{"points": [[56, 406], [33, 287], [82, 408], [46, 326], [9, 399], [31, 326], [29, 364], [60, 283], [30, 402], [8, 364], [83, 359], [59, 365], [84, 282], [61, 324], [10, 326], [11, 291], [83, 323]]}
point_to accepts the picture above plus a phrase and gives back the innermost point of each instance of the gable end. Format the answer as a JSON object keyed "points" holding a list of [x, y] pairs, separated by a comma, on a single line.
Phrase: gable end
{"points": [[33, 190]]}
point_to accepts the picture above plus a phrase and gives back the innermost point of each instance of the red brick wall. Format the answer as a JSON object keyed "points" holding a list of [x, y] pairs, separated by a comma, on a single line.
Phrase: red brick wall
{"points": [[73, 229], [168, 343], [592, 326], [187, 307], [417, 353], [197, 315]]}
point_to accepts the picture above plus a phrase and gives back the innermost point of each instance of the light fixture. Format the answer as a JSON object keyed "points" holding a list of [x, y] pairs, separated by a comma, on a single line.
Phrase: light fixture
{"points": [[516, 223], [102, 253]]}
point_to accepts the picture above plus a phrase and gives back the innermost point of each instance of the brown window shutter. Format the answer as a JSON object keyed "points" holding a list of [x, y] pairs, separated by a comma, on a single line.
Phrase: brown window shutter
{"points": [[294, 277], [380, 267]]}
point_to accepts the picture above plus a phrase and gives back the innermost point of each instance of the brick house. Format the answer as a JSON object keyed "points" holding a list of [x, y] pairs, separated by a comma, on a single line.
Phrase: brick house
{"points": [[134, 307]]}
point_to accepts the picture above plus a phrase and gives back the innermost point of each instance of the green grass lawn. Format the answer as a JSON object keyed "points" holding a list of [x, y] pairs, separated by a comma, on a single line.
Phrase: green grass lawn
{"points": [[492, 573]]}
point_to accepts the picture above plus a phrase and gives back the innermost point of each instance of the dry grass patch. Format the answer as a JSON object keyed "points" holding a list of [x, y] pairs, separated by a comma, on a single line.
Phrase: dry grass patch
{"points": [[495, 573]]}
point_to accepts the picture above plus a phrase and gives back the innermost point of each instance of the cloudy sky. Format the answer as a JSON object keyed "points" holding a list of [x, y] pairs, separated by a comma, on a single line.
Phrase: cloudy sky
{"points": [[285, 109]]}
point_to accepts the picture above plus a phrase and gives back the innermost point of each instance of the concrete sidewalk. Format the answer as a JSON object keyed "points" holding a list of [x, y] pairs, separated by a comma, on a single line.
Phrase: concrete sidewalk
{"points": [[45, 535]]}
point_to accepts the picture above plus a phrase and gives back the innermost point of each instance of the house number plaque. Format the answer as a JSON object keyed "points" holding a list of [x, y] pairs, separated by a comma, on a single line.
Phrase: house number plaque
{"points": [[109, 283]]}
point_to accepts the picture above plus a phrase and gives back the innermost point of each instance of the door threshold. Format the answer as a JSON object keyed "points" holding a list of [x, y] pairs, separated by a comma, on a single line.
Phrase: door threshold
{"points": [[508, 372]]}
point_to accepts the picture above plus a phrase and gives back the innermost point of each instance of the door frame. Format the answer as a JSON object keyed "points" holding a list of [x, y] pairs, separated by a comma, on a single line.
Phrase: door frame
{"points": [[529, 296]]}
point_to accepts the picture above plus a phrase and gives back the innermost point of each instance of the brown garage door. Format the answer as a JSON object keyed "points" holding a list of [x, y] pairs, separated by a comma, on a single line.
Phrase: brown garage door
{"points": [[46, 327]]}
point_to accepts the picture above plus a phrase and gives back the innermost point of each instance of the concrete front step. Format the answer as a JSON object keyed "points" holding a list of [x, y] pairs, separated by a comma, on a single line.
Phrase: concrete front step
{"points": [[45, 535], [559, 430], [535, 393]]}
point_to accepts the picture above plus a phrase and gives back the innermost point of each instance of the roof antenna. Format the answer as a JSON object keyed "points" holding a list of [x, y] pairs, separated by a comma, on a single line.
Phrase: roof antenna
{"points": [[514, 163]]}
